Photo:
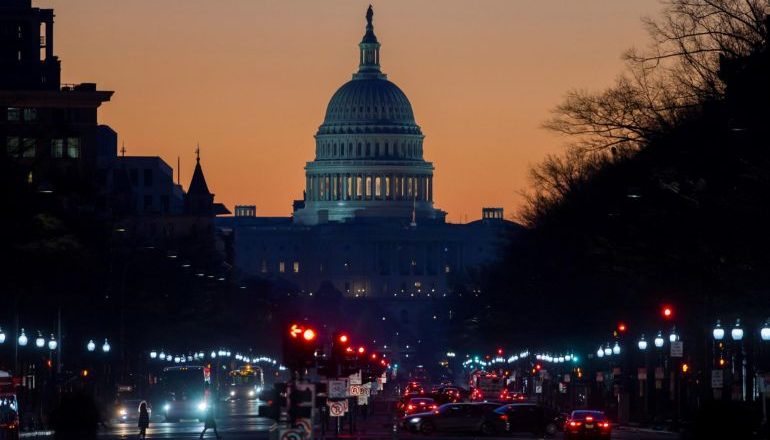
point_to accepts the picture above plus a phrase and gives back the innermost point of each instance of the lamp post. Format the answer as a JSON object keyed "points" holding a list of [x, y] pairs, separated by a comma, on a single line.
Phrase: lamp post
{"points": [[643, 383], [736, 334]]}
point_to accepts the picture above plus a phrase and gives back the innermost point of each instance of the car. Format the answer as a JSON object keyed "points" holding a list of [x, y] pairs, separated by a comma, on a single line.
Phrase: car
{"points": [[413, 388], [448, 395], [453, 417], [419, 405], [511, 396], [587, 424], [9, 416], [526, 417], [128, 410]]}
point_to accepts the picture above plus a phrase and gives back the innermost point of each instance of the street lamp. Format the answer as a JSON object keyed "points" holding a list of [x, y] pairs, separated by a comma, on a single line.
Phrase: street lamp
{"points": [[162, 355], [642, 344], [659, 340], [23, 339], [673, 336], [607, 350], [52, 344], [600, 352], [764, 333], [40, 340], [106, 347], [91, 346], [153, 354], [737, 332], [616, 348], [2, 336], [718, 332], [213, 355]]}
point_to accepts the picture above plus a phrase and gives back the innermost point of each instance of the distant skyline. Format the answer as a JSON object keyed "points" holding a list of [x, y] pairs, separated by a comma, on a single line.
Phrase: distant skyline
{"points": [[250, 80]]}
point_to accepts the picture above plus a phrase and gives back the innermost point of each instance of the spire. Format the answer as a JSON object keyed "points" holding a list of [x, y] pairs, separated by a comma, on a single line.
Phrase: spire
{"points": [[198, 182], [369, 48]]}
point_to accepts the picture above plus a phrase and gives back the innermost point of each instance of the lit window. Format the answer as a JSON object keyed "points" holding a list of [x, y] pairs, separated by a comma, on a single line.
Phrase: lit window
{"points": [[14, 114], [387, 186], [73, 147], [30, 114], [446, 269], [281, 267], [57, 148], [12, 146], [377, 187], [368, 186], [263, 266], [29, 146], [296, 267]]}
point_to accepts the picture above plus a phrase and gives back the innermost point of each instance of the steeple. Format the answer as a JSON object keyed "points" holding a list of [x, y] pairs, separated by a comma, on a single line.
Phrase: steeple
{"points": [[369, 48], [198, 183]]}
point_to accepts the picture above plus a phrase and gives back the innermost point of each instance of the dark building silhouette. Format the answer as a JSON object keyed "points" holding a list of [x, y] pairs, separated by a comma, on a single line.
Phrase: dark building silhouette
{"points": [[48, 131]]}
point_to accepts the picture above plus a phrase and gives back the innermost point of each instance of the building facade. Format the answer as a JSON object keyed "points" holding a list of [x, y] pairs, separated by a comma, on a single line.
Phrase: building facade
{"points": [[367, 226]]}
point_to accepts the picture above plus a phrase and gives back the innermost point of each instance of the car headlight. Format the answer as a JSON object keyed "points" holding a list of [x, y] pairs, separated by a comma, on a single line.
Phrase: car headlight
{"points": [[202, 406], [232, 393], [166, 407], [251, 393], [414, 420], [259, 389], [123, 412]]}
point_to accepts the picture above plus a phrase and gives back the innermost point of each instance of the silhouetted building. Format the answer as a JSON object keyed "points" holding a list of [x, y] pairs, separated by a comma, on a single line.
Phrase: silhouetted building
{"points": [[48, 130]]}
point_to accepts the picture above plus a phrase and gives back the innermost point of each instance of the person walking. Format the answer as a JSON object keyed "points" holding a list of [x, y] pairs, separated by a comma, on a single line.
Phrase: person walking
{"points": [[209, 422], [144, 420]]}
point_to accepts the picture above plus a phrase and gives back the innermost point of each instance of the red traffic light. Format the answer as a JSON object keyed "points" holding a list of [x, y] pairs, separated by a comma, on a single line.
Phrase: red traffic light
{"points": [[308, 334], [499, 351], [343, 338], [374, 355], [667, 312], [622, 327], [538, 367], [361, 350], [295, 330], [349, 349]]}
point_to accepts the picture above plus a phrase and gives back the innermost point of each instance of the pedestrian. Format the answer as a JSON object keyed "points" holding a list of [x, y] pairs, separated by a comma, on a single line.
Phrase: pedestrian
{"points": [[144, 420], [209, 422]]}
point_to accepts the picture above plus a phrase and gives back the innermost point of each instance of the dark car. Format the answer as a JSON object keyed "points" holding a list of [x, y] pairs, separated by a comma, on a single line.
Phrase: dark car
{"points": [[526, 417], [586, 424], [453, 417], [419, 405]]}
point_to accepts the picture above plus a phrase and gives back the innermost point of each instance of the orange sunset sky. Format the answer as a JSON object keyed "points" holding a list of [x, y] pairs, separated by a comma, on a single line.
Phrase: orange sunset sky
{"points": [[250, 80]]}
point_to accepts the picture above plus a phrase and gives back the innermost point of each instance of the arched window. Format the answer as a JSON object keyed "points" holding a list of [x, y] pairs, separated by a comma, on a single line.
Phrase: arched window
{"points": [[378, 187], [368, 187]]}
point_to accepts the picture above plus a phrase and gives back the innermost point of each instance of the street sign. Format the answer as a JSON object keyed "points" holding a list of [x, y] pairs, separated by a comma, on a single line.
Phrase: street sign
{"points": [[305, 425], [677, 349], [291, 434], [337, 389], [363, 400], [355, 378], [358, 390], [338, 409], [717, 379], [641, 374], [538, 389]]}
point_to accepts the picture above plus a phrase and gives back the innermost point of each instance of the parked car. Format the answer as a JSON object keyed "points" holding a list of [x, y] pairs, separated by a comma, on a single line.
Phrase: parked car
{"points": [[453, 417], [526, 417], [586, 424]]}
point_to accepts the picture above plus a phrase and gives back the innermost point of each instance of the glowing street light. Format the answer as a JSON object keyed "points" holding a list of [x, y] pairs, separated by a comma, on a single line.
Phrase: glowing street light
{"points": [[659, 340], [642, 344], [23, 339], [106, 346], [40, 340], [737, 332], [600, 352], [52, 343], [153, 354], [2, 336], [91, 346], [607, 350], [718, 332], [673, 336], [764, 333], [616, 348]]}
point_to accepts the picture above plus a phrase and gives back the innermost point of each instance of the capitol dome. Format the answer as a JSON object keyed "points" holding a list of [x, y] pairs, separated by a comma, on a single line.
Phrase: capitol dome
{"points": [[369, 157], [364, 101]]}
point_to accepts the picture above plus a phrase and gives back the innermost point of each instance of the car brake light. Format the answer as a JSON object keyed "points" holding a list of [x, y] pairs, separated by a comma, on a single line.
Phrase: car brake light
{"points": [[574, 423], [410, 407], [503, 417], [604, 425], [589, 419]]}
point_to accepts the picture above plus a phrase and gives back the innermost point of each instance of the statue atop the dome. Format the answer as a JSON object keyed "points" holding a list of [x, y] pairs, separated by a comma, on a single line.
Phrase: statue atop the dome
{"points": [[369, 15]]}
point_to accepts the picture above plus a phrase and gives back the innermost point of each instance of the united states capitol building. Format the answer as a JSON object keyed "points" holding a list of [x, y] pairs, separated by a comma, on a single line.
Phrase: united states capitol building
{"points": [[367, 226]]}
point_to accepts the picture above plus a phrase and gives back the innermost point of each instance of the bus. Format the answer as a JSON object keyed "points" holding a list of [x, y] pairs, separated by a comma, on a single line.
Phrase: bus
{"points": [[186, 392], [246, 382]]}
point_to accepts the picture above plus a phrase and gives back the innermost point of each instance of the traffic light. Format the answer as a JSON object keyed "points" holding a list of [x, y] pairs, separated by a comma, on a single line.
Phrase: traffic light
{"points": [[622, 327], [685, 367], [499, 351], [299, 347], [667, 312]]}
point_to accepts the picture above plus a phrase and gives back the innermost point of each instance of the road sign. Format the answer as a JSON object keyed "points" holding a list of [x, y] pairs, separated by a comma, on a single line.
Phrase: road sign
{"points": [[355, 378], [358, 390], [677, 349], [338, 409], [717, 379], [305, 425], [291, 434], [337, 389], [538, 389], [363, 400]]}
